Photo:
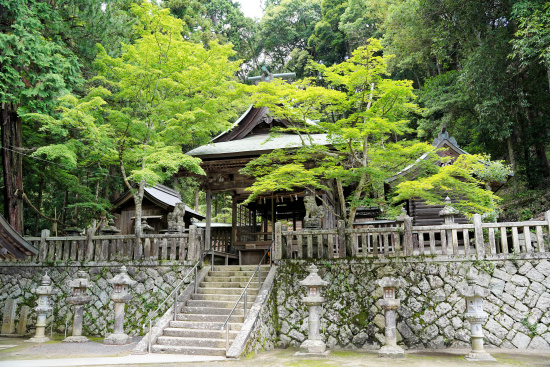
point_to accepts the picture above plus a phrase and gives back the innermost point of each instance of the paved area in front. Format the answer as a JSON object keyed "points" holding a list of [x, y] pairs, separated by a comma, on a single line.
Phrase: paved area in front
{"points": [[14, 352]]}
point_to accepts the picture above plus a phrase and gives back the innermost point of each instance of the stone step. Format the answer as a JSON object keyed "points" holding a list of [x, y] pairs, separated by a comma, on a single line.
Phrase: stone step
{"points": [[211, 310], [221, 297], [203, 325], [233, 278], [234, 291], [208, 318], [176, 349], [200, 333], [211, 284], [219, 303], [192, 342], [239, 267], [230, 273]]}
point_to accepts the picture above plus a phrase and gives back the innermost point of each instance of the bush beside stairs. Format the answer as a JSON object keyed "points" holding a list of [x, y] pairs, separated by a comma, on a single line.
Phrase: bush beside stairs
{"points": [[197, 329]]}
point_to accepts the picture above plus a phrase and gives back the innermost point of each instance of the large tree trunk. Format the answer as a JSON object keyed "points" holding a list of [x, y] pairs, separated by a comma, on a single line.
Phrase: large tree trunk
{"points": [[12, 164], [38, 206]]}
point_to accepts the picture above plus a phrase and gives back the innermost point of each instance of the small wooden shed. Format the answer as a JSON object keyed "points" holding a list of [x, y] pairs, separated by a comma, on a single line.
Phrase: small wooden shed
{"points": [[158, 201]]}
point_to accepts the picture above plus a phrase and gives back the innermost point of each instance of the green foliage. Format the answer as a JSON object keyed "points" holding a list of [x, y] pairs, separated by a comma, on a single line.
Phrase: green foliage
{"points": [[459, 181]]}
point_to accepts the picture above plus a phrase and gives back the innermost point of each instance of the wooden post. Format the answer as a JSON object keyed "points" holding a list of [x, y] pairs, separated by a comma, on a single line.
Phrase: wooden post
{"points": [[192, 250], [342, 238], [408, 245], [547, 219], [43, 244], [278, 243], [208, 233], [233, 223], [480, 246]]}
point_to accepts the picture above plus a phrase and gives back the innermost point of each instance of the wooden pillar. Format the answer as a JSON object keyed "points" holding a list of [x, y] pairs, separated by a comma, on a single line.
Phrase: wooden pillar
{"points": [[233, 224], [208, 231]]}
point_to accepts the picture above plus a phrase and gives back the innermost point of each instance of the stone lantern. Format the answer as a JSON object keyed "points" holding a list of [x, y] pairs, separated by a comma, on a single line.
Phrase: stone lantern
{"points": [[145, 227], [313, 345], [121, 284], [110, 229], [390, 304], [43, 292], [79, 299], [73, 230], [474, 295]]}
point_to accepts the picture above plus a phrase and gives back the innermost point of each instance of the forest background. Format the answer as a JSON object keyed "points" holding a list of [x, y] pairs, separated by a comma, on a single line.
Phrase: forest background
{"points": [[483, 68]]}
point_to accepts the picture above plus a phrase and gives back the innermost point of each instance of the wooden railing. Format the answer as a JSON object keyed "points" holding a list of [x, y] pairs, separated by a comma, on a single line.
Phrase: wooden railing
{"points": [[407, 240], [180, 246]]}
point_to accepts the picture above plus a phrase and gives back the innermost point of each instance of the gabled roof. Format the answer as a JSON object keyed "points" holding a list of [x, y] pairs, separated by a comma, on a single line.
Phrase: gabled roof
{"points": [[253, 145], [12, 245], [247, 137], [443, 141], [162, 196]]}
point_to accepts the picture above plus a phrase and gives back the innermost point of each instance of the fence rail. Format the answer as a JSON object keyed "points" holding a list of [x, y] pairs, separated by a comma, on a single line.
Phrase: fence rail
{"points": [[408, 240], [180, 246]]}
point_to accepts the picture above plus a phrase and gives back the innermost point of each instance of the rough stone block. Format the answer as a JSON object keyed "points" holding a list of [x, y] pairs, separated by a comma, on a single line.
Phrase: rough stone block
{"points": [[535, 276], [520, 280], [502, 275], [521, 341], [539, 342], [544, 267], [525, 268], [8, 319]]}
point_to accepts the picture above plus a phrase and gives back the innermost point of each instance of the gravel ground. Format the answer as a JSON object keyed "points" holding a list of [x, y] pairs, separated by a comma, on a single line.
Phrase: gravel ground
{"points": [[19, 350]]}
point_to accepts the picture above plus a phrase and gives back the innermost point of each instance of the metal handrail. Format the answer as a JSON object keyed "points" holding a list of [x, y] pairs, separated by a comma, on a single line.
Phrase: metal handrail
{"points": [[175, 294], [258, 269]]}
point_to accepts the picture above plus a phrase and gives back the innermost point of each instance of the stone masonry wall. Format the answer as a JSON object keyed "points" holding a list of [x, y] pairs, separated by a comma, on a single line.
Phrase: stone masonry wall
{"points": [[264, 334], [431, 312], [155, 281]]}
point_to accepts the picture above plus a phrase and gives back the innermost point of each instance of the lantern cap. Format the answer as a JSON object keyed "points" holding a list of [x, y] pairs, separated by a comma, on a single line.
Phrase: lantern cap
{"points": [[82, 280], [472, 289], [448, 209], [122, 278], [390, 282], [46, 280], [313, 279]]}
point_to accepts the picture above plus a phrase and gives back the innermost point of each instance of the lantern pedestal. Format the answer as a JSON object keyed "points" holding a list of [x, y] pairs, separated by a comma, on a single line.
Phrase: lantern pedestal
{"points": [[79, 299]]}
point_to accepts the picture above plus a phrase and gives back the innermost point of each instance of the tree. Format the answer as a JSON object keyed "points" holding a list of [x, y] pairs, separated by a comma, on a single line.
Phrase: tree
{"points": [[364, 114], [33, 72], [286, 28], [163, 93]]}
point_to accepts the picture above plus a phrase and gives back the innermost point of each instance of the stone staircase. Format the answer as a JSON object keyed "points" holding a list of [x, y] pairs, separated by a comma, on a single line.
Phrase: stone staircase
{"points": [[197, 329]]}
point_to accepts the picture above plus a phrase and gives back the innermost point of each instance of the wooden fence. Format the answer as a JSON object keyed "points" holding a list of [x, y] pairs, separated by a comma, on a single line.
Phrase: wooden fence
{"points": [[407, 240], [180, 246]]}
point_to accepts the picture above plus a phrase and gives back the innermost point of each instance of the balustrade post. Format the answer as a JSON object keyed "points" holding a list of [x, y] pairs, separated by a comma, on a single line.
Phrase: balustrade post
{"points": [[342, 238], [408, 245], [89, 244], [44, 244], [480, 246], [547, 219], [192, 251], [278, 243]]}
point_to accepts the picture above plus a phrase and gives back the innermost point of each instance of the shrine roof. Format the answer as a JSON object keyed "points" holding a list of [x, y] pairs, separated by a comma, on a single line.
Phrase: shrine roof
{"points": [[12, 245], [160, 195], [253, 145]]}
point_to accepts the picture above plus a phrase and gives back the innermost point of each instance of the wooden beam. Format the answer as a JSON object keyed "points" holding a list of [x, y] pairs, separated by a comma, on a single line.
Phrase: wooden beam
{"points": [[208, 231]]}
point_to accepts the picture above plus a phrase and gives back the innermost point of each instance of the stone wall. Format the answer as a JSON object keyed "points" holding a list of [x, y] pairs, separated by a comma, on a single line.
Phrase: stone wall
{"points": [[155, 281], [264, 333], [431, 312]]}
